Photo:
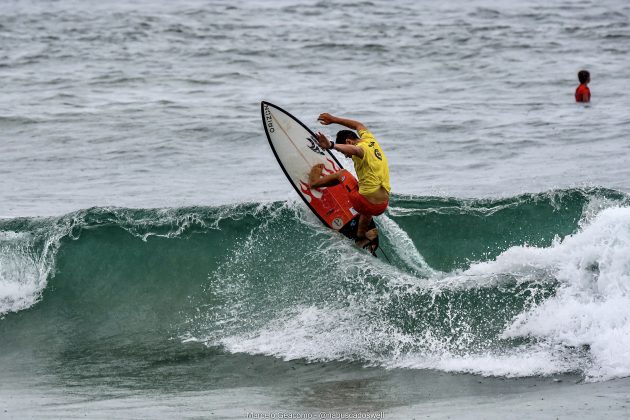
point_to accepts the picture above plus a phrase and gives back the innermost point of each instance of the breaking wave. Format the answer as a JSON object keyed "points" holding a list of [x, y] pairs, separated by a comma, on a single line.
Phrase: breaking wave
{"points": [[536, 284]]}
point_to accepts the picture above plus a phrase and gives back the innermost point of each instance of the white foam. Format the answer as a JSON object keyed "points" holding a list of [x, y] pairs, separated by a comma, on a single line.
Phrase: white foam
{"points": [[308, 333], [320, 334], [592, 306], [22, 274], [576, 320], [518, 362], [584, 326]]}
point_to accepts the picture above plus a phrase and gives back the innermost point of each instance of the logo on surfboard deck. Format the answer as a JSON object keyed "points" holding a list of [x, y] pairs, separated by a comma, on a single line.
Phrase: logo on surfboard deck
{"points": [[314, 146], [269, 119], [337, 223]]}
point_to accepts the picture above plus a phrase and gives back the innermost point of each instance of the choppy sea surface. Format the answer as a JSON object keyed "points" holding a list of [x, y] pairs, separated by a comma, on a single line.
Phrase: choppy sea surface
{"points": [[155, 262]]}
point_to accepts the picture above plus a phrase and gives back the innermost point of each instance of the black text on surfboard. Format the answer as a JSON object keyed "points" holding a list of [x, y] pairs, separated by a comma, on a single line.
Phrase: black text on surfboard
{"points": [[269, 119], [314, 146]]}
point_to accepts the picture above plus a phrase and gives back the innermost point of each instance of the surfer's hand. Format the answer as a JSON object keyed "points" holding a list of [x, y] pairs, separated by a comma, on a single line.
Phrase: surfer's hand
{"points": [[325, 118], [323, 141]]}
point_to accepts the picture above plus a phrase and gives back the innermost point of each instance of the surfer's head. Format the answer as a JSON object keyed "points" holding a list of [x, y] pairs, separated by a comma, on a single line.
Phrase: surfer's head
{"points": [[584, 76], [346, 137]]}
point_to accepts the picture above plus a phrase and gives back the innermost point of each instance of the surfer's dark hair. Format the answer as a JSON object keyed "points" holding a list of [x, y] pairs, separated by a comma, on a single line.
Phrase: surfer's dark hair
{"points": [[583, 76], [344, 135]]}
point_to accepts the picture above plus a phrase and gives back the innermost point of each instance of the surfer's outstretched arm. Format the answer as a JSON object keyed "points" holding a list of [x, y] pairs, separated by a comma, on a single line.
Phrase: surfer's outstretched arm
{"points": [[326, 119], [349, 150], [346, 149]]}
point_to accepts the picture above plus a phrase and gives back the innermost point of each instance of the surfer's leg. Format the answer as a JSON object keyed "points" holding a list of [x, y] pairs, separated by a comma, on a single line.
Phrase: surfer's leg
{"points": [[316, 180], [365, 236], [364, 222]]}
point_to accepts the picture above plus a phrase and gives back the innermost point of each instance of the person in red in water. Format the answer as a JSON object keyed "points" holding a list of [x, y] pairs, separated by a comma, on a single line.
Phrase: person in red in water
{"points": [[583, 93], [370, 163]]}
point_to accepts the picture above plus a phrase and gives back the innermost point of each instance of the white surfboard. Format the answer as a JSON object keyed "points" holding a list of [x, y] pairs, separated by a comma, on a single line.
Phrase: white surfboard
{"points": [[296, 149]]}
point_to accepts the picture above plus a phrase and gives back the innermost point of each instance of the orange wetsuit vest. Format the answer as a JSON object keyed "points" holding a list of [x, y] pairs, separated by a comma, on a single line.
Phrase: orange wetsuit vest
{"points": [[582, 93]]}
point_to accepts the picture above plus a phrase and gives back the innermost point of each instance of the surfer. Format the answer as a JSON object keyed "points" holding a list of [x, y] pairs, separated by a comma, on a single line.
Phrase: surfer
{"points": [[372, 197], [583, 93]]}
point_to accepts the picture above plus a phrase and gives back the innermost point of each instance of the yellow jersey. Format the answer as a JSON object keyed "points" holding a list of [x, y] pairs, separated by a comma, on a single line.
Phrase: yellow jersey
{"points": [[372, 170]]}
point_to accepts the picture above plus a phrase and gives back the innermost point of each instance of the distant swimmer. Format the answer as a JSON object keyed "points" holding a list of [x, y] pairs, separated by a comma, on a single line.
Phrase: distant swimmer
{"points": [[372, 196], [583, 93]]}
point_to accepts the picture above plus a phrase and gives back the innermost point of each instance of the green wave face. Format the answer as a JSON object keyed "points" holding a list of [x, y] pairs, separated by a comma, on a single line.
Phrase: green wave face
{"points": [[118, 291]]}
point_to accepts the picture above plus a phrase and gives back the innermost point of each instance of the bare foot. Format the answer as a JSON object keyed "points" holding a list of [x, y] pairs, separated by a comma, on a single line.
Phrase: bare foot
{"points": [[315, 175], [370, 235]]}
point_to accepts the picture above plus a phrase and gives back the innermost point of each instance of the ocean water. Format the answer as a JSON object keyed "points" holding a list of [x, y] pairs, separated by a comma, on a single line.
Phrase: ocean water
{"points": [[155, 262]]}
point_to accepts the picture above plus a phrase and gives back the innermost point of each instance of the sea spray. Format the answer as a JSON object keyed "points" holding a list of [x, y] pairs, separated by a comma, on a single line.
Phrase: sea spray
{"points": [[591, 306]]}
